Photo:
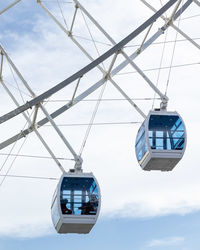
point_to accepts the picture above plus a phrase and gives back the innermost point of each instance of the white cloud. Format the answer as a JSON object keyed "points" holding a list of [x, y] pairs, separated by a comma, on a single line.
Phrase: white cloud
{"points": [[172, 241], [48, 57]]}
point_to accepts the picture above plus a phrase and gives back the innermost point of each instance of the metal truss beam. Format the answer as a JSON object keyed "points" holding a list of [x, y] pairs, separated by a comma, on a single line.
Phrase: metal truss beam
{"points": [[33, 124], [89, 67], [163, 97], [96, 85], [34, 128], [9, 6], [106, 74], [170, 22], [197, 2]]}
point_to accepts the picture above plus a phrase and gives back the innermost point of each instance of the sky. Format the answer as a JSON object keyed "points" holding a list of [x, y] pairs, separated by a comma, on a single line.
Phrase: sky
{"points": [[140, 210]]}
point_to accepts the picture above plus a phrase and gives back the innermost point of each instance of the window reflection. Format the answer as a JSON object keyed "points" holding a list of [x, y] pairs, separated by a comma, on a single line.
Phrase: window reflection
{"points": [[141, 146], [166, 132], [79, 195], [54, 212]]}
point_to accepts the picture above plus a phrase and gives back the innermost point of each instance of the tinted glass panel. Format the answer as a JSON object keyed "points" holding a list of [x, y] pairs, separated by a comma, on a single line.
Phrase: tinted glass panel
{"points": [[166, 132], [54, 212], [141, 146], [79, 195]]}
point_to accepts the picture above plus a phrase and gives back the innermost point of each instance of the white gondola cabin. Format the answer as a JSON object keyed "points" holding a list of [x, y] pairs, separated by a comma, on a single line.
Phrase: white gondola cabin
{"points": [[76, 203], [161, 141]]}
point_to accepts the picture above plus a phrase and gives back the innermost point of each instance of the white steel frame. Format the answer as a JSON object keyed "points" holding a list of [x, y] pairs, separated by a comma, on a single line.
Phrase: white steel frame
{"points": [[170, 22], [197, 2], [33, 123], [90, 66], [115, 50]]}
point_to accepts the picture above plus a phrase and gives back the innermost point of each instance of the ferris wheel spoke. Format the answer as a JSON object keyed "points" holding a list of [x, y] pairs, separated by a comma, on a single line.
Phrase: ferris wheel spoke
{"points": [[152, 39], [95, 86], [89, 67], [64, 108], [53, 115], [9, 6], [186, 36], [73, 19], [161, 139], [71, 36], [197, 2], [170, 22], [77, 4], [174, 15], [128, 99], [33, 123], [108, 73], [163, 97]]}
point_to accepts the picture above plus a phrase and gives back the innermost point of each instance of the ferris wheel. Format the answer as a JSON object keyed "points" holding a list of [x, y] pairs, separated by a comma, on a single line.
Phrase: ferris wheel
{"points": [[161, 139]]}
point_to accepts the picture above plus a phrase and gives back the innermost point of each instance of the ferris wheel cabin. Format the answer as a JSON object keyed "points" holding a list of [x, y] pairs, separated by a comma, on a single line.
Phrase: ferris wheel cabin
{"points": [[161, 141], [76, 203]]}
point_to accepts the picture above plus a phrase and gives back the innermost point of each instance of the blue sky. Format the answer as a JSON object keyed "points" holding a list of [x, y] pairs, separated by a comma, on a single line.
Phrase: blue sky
{"points": [[140, 210], [167, 233]]}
